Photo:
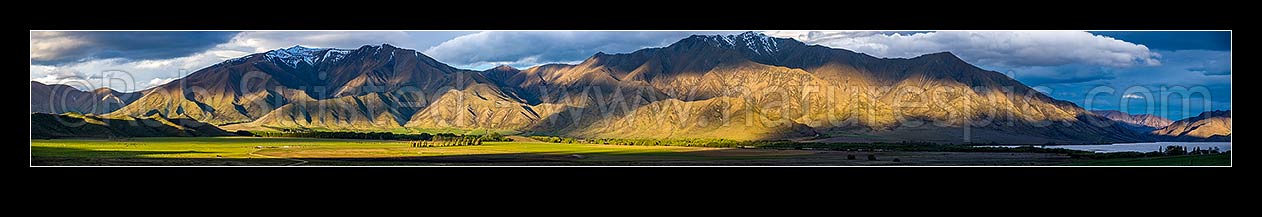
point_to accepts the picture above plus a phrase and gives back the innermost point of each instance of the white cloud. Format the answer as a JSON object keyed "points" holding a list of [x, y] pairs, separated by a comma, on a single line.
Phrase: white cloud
{"points": [[1000, 48], [1132, 96], [142, 74], [160, 81], [122, 75], [526, 48], [52, 75], [76, 76], [256, 42]]}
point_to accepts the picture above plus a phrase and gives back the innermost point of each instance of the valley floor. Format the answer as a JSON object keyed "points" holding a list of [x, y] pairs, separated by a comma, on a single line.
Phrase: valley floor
{"points": [[1222, 159], [255, 151]]}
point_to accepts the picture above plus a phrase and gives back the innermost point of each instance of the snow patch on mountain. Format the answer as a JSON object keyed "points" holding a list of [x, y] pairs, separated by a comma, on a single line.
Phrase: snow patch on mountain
{"points": [[298, 54], [333, 55], [757, 43]]}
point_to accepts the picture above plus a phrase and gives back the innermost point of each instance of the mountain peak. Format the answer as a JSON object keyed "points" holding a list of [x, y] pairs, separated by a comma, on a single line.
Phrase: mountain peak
{"points": [[504, 68], [384, 46], [943, 54], [755, 42], [500, 74], [291, 56], [295, 51], [944, 57], [752, 34], [103, 91]]}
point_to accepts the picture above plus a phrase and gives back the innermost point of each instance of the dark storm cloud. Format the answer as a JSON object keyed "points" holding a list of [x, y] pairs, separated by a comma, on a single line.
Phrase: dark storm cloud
{"points": [[56, 48]]}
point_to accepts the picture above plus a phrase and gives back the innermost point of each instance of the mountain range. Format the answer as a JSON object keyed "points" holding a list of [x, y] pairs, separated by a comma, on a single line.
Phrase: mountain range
{"points": [[747, 87]]}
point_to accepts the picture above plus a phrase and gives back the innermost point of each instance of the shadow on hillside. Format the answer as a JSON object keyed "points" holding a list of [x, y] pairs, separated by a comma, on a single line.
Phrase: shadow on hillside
{"points": [[105, 153], [45, 126], [62, 156]]}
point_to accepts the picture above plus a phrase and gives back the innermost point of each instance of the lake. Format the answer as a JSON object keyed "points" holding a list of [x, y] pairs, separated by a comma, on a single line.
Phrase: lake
{"points": [[1142, 147]]}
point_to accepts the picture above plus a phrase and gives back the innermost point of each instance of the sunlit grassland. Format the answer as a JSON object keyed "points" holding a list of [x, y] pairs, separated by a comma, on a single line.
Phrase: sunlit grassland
{"points": [[354, 152], [277, 151]]}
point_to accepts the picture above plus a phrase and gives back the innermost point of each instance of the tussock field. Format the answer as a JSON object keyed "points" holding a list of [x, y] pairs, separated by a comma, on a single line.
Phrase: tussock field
{"points": [[256, 151]]}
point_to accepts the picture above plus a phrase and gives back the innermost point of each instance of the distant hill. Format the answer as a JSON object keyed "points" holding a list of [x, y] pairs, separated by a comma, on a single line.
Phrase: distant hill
{"points": [[59, 98], [1210, 125], [1138, 122], [78, 125]]}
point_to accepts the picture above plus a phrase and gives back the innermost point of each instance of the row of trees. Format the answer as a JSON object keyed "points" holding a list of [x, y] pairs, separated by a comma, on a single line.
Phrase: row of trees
{"points": [[451, 139], [454, 141], [714, 143], [1183, 150], [339, 135], [1172, 150]]}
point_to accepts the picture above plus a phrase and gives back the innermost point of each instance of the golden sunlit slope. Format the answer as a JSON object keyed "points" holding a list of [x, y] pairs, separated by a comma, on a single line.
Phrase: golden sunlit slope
{"points": [[365, 112], [479, 106]]}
